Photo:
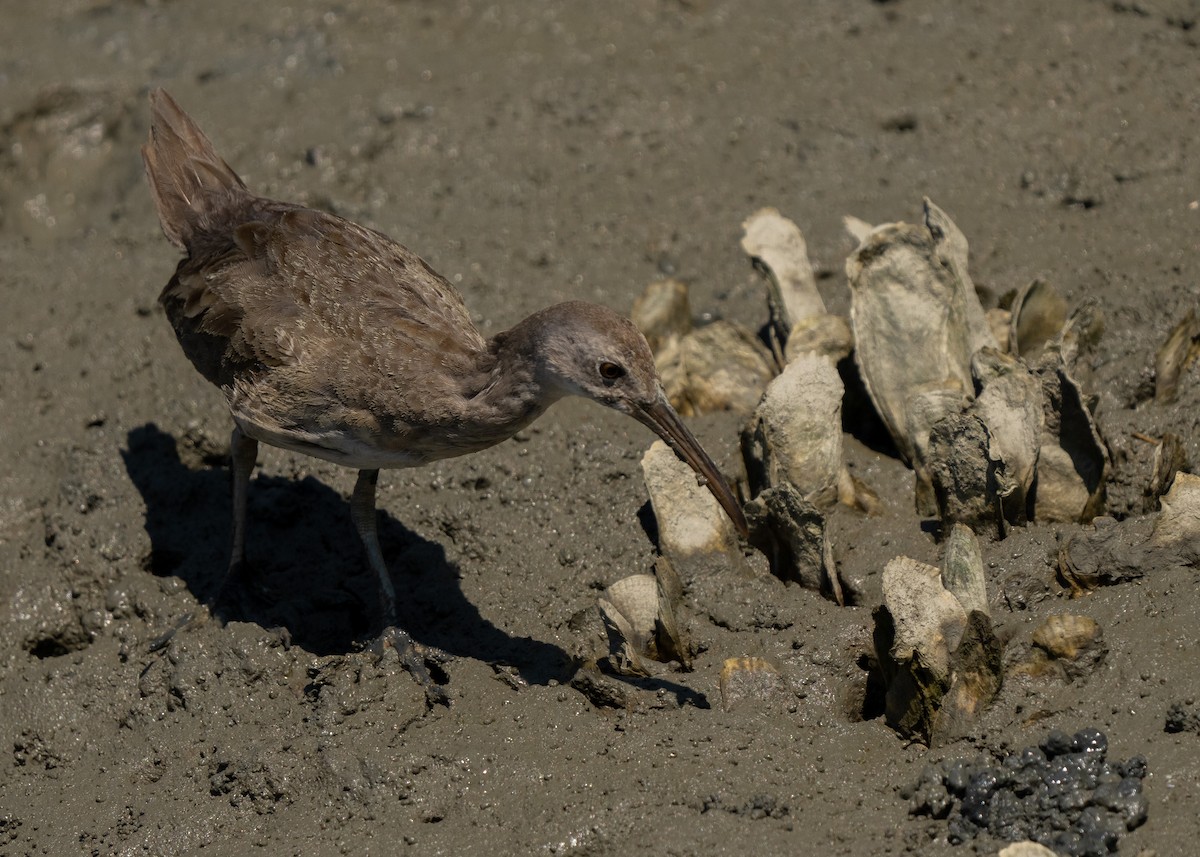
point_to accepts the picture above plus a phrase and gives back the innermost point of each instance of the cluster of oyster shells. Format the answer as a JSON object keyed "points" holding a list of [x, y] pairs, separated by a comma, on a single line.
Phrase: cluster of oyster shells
{"points": [[939, 657], [986, 408]]}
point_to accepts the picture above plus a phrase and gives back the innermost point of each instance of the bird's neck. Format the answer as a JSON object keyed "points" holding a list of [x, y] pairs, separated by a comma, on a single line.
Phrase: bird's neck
{"points": [[513, 393]]}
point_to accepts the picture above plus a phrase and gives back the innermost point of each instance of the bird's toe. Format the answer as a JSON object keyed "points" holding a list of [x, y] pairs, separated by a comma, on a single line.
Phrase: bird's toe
{"points": [[423, 663], [187, 622]]}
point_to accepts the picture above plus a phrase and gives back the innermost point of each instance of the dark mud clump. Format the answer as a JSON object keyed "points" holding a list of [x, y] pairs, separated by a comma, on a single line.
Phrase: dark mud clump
{"points": [[1061, 793], [1184, 717]]}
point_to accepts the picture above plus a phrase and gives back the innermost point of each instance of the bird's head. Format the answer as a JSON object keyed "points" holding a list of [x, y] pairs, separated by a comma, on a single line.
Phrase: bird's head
{"points": [[583, 349]]}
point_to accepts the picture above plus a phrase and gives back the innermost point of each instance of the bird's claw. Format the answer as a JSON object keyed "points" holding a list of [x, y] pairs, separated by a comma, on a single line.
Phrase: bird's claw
{"points": [[193, 619], [416, 659]]}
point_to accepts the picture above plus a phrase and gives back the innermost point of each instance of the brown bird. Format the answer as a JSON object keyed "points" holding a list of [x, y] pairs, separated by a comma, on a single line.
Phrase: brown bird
{"points": [[330, 339]]}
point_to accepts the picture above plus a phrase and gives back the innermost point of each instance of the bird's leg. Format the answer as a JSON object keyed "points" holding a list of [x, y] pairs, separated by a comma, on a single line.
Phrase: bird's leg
{"points": [[362, 510], [412, 656], [243, 452]]}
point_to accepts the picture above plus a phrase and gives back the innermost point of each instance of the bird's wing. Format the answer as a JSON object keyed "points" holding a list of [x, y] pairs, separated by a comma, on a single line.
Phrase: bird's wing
{"points": [[291, 287]]}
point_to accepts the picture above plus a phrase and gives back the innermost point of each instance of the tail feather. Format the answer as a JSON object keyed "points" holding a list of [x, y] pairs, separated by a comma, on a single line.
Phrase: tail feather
{"points": [[191, 184]]}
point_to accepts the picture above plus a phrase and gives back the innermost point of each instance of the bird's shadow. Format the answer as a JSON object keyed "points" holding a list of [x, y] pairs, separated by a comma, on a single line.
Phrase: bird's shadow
{"points": [[306, 568]]}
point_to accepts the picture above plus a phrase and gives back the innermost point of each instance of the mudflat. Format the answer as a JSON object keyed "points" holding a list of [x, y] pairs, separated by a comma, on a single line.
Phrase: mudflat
{"points": [[536, 153]]}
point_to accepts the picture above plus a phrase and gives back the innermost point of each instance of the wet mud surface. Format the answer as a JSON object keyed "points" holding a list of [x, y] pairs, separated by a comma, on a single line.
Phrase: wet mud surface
{"points": [[533, 153]]}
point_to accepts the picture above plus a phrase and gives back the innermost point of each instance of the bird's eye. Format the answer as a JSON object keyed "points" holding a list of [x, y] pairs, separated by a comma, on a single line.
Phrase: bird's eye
{"points": [[611, 371]]}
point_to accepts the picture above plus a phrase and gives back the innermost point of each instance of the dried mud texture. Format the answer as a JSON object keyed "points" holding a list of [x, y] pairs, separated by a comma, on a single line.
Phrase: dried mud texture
{"points": [[534, 153]]}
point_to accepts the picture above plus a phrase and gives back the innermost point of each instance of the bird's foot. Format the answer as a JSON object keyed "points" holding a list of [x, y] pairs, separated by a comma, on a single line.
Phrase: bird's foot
{"points": [[236, 598], [417, 659], [186, 622]]}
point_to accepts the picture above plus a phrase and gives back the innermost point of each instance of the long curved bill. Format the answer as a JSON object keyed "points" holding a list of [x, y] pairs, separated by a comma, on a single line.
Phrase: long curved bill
{"points": [[661, 418]]}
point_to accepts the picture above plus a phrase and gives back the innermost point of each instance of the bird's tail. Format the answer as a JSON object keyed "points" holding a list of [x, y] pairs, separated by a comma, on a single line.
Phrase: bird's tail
{"points": [[192, 185]]}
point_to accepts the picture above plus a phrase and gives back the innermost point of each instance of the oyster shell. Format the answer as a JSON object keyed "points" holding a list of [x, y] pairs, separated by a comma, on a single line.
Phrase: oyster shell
{"points": [[1066, 646], [1177, 529], [940, 659], [641, 625], [718, 367], [690, 521], [1179, 352], [662, 312], [962, 570], [917, 321], [1039, 314], [748, 679], [1010, 405], [1072, 468], [776, 246], [796, 432], [792, 533]]}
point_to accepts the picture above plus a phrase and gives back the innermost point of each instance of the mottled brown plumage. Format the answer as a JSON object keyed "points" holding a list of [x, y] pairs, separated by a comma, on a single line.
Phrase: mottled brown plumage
{"points": [[331, 339]]}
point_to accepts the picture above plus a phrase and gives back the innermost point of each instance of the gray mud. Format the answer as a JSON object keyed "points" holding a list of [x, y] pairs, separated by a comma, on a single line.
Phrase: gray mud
{"points": [[535, 152]]}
